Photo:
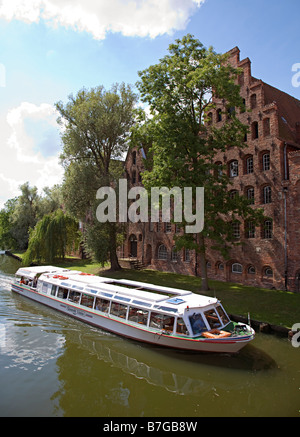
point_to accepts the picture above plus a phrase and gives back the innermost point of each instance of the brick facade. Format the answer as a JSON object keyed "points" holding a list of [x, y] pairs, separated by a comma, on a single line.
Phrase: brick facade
{"points": [[267, 170]]}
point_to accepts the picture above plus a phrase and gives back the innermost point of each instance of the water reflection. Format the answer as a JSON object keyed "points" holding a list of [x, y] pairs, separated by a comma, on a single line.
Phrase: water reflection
{"points": [[175, 371]]}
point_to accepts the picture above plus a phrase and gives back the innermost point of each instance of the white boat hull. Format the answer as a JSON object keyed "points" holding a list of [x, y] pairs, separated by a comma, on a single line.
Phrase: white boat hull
{"points": [[134, 331]]}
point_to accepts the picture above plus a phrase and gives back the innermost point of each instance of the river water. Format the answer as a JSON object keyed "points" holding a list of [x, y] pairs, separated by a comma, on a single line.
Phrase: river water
{"points": [[52, 365]]}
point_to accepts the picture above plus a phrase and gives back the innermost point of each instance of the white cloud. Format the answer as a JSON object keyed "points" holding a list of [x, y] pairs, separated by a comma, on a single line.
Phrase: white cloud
{"points": [[26, 142], [129, 17], [30, 150]]}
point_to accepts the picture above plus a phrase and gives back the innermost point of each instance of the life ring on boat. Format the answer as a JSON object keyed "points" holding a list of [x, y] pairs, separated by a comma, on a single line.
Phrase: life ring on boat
{"points": [[85, 274], [216, 333]]}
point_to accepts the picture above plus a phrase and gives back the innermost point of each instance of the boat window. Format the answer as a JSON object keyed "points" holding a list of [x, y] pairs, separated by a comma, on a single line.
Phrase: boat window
{"points": [[106, 294], [163, 308], [77, 288], [223, 315], [53, 290], [138, 315], [181, 327], [93, 291], [74, 296], [175, 300], [102, 305], [139, 302], [62, 293], [118, 309], [161, 321], [125, 299], [87, 300], [212, 318], [45, 287], [197, 323]]}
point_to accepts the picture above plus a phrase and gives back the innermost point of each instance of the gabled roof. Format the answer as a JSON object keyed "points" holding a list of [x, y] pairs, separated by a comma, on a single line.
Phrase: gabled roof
{"points": [[288, 112]]}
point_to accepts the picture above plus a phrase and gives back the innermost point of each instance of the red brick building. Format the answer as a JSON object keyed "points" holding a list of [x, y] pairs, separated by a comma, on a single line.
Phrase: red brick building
{"points": [[267, 171]]}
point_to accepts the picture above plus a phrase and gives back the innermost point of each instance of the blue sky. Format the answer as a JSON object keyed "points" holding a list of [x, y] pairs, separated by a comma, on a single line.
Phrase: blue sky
{"points": [[51, 48]]}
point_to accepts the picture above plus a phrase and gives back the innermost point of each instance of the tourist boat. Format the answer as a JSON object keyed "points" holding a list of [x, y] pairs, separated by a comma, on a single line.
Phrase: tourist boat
{"points": [[149, 313]]}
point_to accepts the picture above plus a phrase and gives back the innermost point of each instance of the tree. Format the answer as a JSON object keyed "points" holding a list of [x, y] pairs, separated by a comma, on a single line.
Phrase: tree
{"points": [[50, 201], [179, 90], [6, 239], [96, 126], [25, 215], [52, 237]]}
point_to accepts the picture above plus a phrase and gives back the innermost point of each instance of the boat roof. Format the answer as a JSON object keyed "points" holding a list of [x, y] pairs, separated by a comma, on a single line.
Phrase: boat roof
{"points": [[168, 299], [31, 272]]}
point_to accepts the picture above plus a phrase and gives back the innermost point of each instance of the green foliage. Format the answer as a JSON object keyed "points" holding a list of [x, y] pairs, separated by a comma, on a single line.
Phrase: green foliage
{"points": [[179, 90], [6, 239], [25, 215], [96, 124], [21, 214], [96, 127], [52, 237]]}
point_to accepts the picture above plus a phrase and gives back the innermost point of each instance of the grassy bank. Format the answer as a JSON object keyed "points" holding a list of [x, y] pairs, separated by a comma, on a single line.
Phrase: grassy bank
{"points": [[272, 306]]}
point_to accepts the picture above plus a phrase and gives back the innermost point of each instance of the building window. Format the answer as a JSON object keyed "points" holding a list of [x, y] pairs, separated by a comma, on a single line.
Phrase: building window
{"points": [[209, 119], [250, 195], [218, 169], [177, 228], [266, 161], [187, 255], [237, 268], [251, 270], [250, 230], [249, 165], [174, 255], [162, 253], [268, 272], [266, 124], [219, 115], [221, 266], [267, 194], [133, 177], [231, 112], [233, 169], [134, 158], [236, 230], [254, 130], [267, 229], [168, 227], [253, 101], [233, 194], [243, 107]]}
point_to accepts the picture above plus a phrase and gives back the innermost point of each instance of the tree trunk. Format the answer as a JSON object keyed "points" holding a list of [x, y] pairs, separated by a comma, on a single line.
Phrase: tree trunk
{"points": [[202, 263], [114, 262]]}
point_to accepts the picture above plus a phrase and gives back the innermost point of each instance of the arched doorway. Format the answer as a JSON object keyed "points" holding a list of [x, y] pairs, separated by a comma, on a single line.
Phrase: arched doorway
{"points": [[133, 246]]}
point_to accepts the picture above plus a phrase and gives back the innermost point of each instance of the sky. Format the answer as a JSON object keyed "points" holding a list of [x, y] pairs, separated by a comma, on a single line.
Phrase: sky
{"points": [[50, 49]]}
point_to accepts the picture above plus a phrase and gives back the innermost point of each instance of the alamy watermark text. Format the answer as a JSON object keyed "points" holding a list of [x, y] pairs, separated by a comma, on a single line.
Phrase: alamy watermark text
{"points": [[185, 206]]}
